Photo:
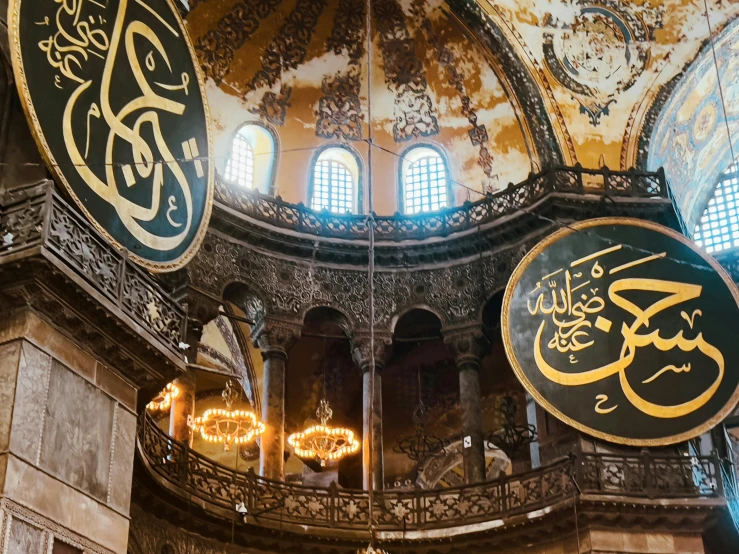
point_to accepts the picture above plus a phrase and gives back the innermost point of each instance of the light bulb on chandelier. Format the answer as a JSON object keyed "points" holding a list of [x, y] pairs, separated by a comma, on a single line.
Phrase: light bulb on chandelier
{"points": [[228, 426], [322, 442], [163, 400]]}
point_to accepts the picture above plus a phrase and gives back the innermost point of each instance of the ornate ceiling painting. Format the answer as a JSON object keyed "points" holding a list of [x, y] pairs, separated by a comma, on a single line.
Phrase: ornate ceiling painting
{"points": [[602, 64], [690, 139], [301, 67]]}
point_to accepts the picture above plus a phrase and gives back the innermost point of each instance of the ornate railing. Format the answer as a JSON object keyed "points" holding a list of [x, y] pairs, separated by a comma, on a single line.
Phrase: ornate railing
{"points": [[576, 180], [41, 219], [198, 478]]}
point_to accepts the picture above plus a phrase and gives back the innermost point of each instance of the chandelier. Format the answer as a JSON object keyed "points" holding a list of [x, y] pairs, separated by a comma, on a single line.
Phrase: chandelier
{"points": [[322, 442], [228, 426], [511, 437], [163, 400], [419, 445]]}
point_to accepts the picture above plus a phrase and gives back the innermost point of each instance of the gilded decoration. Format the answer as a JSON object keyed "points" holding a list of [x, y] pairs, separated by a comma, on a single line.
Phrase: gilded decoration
{"points": [[617, 327], [601, 53], [146, 183]]}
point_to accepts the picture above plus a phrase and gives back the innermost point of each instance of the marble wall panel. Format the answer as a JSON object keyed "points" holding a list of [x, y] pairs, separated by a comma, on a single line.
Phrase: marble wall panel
{"points": [[121, 467], [31, 390], [9, 357], [25, 539], [77, 435]]}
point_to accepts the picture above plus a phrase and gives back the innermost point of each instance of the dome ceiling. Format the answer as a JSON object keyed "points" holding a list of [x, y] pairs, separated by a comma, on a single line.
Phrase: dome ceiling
{"points": [[503, 87]]}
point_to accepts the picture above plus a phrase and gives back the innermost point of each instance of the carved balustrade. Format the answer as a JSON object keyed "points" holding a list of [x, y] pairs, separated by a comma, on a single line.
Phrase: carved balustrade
{"points": [[41, 220], [266, 502], [574, 180]]}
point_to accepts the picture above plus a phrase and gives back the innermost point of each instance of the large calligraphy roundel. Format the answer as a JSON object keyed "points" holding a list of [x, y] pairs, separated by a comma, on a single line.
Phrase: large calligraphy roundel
{"points": [[625, 330], [116, 100]]}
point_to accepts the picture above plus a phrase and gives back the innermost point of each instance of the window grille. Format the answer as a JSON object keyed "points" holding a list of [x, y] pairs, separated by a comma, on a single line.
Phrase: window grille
{"points": [[718, 228], [240, 166], [426, 185], [333, 187]]}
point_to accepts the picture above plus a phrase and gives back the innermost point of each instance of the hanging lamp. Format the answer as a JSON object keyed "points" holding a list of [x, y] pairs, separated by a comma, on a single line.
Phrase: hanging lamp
{"points": [[512, 436], [163, 400], [228, 426], [323, 442], [420, 444]]}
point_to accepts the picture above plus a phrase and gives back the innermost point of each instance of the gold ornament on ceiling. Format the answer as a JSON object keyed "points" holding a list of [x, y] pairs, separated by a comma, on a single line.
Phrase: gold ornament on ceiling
{"points": [[228, 426]]}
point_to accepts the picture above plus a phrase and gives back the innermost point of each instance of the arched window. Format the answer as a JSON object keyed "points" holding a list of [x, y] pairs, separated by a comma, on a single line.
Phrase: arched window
{"points": [[252, 157], [718, 228], [425, 181], [335, 181]]}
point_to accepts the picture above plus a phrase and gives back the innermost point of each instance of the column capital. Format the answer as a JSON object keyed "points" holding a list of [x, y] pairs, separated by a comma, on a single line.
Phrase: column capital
{"points": [[468, 343], [360, 346], [275, 336]]}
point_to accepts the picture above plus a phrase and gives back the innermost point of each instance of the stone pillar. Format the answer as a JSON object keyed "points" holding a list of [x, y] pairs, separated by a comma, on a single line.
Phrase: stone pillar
{"points": [[183, 408], [469, 346], [372, 427], [274, 337], [531, 420], [67, 439]]}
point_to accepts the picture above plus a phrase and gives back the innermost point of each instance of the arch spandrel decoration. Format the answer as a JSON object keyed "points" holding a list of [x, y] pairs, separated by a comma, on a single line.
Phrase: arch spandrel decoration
{"points": [[689, 138]]}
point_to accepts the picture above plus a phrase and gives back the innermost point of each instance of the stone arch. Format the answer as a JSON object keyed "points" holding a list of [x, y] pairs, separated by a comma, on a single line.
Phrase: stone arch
{"points": [[689, 137], [418, 306]]}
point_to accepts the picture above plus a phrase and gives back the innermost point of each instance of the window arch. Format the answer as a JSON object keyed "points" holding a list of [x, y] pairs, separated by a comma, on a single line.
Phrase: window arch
{"points": [[335, 183], [425, 181], [251, 160], [718, 228]]}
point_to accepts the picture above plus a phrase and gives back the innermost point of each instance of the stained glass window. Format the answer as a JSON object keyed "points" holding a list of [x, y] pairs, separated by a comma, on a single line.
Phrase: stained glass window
{"points": [[718, 228], [425, 184]]}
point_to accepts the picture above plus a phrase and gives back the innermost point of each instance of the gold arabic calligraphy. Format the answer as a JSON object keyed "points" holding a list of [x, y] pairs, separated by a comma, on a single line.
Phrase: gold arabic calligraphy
{"points": [[67, 52], [571, 309]]}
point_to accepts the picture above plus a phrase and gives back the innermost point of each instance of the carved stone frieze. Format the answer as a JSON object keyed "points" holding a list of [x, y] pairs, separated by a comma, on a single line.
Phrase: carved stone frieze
{"points": [[290, 288]]}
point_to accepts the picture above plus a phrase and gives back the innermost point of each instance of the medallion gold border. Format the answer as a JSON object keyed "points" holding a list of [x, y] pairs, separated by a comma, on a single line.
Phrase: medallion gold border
{"points": [[513, 283], [14, 7]]}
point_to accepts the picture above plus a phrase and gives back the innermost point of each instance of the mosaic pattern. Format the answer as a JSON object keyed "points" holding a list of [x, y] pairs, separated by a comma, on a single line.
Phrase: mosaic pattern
{"points": [[690, 139], [600, 54]]}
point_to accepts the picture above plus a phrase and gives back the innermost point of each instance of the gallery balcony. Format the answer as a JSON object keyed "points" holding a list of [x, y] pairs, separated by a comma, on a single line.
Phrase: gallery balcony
{"points": [[637, 486]]}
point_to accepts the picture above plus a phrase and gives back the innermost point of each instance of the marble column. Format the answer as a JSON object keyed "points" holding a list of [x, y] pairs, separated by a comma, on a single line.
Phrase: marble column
{"points": [[372, 419], [469, 347], [183, 408], [274, 337]]}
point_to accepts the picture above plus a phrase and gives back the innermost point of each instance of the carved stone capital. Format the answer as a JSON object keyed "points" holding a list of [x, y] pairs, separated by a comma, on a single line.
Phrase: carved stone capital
{"points": [[275, 336], [468, 343], [360, 346]]}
